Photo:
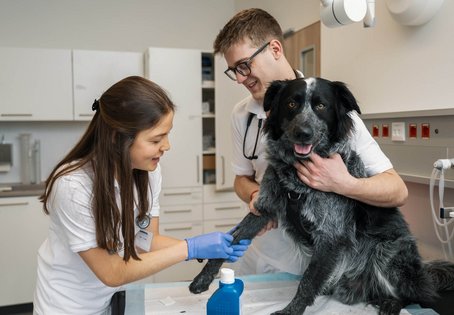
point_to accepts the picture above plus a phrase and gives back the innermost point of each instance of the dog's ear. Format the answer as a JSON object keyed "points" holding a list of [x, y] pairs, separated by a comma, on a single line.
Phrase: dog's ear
{"points": [[346, 102], [271, 105], [271, 95]]}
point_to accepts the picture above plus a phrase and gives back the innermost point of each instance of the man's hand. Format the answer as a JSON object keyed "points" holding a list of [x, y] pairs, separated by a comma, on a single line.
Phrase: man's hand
{"points": [[271, 225], [325, 174]]}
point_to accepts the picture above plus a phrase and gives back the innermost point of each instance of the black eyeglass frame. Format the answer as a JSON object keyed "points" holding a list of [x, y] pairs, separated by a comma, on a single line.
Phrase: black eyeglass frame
{"points": [[231, 72]]}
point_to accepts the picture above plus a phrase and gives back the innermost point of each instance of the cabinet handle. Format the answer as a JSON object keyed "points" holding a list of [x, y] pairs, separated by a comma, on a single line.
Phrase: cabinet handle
{"points": [[198, 170], [17, 115], [228, 208], [178, 211], [178, 194], [178, 229], [86, 115], [24, 203], [223, 169]]}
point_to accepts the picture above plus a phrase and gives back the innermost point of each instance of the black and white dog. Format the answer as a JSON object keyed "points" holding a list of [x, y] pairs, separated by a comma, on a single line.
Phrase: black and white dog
{"points": [[360, 253]]}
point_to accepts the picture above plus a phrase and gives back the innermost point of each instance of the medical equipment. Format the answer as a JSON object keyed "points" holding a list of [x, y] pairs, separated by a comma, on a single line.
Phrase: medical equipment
{"points": [[442, 220], [144, 223], [249, 120], [335, 13]]}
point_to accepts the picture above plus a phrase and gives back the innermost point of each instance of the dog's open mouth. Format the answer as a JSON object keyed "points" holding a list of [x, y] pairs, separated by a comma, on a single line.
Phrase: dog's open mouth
{"points": [[302, 150]]}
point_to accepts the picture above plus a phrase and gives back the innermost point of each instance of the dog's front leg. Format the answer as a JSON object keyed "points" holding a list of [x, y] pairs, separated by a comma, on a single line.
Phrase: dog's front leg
{"points": [[248, 228], [323, 263]]}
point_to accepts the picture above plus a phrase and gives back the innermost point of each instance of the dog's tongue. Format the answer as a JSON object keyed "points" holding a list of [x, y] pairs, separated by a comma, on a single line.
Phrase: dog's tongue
{"points": [[303, 149]]}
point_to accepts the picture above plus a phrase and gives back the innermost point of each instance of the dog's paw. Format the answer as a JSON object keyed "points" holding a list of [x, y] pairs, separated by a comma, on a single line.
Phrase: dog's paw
{"points": [[200, 284], [390, 307]]}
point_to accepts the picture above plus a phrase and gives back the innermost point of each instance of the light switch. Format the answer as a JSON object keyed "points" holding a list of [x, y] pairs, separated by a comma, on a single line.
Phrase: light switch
{"points": [[398, 131]]}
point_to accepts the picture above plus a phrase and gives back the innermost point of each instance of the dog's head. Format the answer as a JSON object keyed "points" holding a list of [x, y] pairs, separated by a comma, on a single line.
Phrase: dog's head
{"points": [[308, 115]]}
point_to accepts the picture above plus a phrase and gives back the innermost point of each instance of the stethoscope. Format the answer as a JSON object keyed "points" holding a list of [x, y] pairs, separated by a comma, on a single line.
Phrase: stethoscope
{"points": [[249, 120], [144, 223]]}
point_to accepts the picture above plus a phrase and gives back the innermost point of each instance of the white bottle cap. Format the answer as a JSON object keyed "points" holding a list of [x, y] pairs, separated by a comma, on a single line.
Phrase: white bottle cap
{"points": [[227, 276]]}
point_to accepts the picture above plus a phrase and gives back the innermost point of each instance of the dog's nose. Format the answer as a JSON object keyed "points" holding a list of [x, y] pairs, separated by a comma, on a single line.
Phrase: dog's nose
{"points": [[303, 133]]}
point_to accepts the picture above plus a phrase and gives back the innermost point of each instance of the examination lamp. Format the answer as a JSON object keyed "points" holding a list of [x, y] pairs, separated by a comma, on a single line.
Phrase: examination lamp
{"points": [[334, 13]]}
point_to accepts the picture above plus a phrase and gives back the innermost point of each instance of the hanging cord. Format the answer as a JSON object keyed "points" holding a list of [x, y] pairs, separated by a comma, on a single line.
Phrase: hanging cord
{"points": [[437, 221]]}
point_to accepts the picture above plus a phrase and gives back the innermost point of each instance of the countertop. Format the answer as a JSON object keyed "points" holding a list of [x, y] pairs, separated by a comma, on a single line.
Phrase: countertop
{"points": [[20, 190], [263, 294]]}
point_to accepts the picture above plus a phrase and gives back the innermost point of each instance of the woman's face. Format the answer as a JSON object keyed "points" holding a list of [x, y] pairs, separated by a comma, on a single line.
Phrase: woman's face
{"points": [[150, 144]]}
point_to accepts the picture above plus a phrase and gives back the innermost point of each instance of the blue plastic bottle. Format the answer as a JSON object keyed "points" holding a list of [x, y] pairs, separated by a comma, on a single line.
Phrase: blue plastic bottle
{"points": [[226, 299]]}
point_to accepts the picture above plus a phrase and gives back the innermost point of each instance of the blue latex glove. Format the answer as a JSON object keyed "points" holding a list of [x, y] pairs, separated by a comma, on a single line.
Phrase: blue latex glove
{"points": [[215, 245], [239, 250]]}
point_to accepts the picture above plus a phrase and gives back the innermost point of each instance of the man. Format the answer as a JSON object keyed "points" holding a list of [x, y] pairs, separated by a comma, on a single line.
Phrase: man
{"points": [[251, 43]]}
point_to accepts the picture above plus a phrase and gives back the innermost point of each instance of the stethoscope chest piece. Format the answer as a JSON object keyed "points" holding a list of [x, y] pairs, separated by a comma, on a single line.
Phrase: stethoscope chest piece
{"points": [[144, 223]]}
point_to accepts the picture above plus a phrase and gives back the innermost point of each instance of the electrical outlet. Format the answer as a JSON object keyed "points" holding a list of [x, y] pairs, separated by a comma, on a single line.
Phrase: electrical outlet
{"points": [[398, 131]]}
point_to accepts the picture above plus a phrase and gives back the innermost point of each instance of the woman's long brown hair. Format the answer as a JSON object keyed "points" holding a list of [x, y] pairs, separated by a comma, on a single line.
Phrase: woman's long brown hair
{"points": [[126, 108]]}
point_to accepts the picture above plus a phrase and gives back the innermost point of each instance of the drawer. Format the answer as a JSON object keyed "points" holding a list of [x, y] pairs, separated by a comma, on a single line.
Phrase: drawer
{"points": [[178, 196], [181, 230], [225, 210], [183, 271], [211, 195], [181, 213], [220, 225], [186, 270]]}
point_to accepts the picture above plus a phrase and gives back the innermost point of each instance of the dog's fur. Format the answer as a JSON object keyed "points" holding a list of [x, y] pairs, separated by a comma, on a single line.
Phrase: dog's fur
{"points": [[360, 253]]}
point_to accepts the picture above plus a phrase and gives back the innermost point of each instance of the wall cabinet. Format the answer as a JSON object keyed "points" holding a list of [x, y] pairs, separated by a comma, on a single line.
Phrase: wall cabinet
{"points": [[35, 84], [179, 72], [95, 71], [24, 228]]}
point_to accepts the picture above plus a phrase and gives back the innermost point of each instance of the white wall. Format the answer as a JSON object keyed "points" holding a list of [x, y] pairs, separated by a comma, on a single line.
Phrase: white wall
{"points": [[391, 67], [291, 14], [131, 25]]}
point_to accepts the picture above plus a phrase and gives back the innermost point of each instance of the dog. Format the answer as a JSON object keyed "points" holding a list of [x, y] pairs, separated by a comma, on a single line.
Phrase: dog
{"points": [[360, 252]]}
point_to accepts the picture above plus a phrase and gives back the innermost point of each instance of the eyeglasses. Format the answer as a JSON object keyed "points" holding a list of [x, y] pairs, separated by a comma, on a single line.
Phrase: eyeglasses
{"points": [[244, 67]]}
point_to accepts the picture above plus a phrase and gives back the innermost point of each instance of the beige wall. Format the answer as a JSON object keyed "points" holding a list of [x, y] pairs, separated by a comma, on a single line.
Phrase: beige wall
{"points": [[123, 25]]}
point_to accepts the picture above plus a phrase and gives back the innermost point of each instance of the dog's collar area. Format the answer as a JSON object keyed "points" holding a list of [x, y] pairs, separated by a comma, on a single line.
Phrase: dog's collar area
{"points": [[293, 196]]}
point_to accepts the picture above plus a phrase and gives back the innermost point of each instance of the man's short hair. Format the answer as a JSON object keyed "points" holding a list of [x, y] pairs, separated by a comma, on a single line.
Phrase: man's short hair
{"points": [[254, 24]]}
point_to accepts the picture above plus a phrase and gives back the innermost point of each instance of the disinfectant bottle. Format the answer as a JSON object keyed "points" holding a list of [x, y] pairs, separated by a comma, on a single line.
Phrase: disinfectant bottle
{"points": [[226, 299]]}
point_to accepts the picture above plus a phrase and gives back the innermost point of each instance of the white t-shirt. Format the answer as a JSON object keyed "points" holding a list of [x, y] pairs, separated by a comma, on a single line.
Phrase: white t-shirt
{"points": [[274, 251], [65, 284]]}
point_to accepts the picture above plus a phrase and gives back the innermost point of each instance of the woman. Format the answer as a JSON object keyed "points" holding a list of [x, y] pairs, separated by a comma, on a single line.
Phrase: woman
{"points": [[102, 199]]}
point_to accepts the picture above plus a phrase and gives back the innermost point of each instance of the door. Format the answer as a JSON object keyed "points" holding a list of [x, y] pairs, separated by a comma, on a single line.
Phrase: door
{"points": [[302, 49], [227, 94], [179, 72]]}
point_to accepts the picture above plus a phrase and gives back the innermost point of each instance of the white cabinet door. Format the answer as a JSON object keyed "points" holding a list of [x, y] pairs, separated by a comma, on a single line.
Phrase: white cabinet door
{"points": [[228, 93], [35, 84], [179, 72], [23, 227], [95, 71]]}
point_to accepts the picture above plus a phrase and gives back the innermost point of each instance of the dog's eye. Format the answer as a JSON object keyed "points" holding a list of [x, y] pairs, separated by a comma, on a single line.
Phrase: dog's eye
{"points": [[320, 106], [292, 105]]}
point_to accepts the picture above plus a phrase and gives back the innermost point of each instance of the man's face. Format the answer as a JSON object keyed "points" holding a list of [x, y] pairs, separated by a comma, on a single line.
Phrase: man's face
{"points": [[261, 67]]}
